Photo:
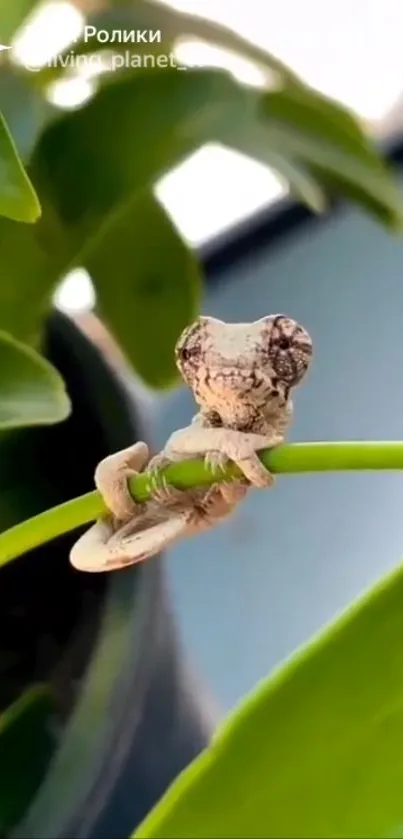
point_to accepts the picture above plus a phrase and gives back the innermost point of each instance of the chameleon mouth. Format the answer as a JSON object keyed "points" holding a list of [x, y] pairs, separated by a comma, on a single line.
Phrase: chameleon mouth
{"points": [[236, 381], [231, 382]]}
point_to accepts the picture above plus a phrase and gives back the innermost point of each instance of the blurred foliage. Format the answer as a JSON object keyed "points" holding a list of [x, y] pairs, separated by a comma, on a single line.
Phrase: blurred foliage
{"points": [[26, 746], [95, 169], [12, 16], [18, 200], [32, 392]]}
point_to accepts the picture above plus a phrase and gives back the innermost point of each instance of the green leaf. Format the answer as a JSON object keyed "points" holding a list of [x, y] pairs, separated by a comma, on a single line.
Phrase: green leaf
{"points": [[18, 200], [315, 751], [12, 16], [327, 140], [311, 141], [182, 111], [104, 151], [31, 277], [31, 390], [155, 288], [24, 109], [250, 138], [26, 746], [97, 214], [176, 25], [86, 172], [89, 175]]}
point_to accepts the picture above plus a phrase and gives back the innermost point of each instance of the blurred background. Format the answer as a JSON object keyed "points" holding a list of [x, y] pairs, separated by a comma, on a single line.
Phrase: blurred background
{"points": [[351, 52], [248, 593]]}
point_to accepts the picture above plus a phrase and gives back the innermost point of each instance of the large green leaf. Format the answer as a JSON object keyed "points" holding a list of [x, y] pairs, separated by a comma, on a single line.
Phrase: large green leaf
{"points": [[308, 139], [176, 25], [18, 200], [31, 390], [180, 112], [91, 166], [90, 177], [24, 109], [250, 137], [160, 305], [30, 275], [328, 141], [315, 751], [12, 16], [26, 746], [314, 143], [128, 135]]}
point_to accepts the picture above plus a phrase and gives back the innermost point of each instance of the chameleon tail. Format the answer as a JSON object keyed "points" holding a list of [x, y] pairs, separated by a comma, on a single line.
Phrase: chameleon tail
{"points": [[100, 549]]}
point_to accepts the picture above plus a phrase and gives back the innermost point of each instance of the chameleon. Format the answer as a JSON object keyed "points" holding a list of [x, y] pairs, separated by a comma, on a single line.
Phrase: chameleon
{"points": [[241, 376]]}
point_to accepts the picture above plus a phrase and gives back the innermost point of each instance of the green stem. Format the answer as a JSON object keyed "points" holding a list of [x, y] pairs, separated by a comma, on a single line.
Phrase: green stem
{"points": [[288, 459]]}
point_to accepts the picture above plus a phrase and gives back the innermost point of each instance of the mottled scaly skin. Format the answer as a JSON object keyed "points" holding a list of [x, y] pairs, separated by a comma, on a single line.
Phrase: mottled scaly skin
{"points": [[241, 376]]}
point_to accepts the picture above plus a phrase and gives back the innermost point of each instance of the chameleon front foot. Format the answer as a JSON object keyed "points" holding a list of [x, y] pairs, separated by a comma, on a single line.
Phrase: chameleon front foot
{"points": [[164, 493], [112, 475], [256, 473], [161, 491]]}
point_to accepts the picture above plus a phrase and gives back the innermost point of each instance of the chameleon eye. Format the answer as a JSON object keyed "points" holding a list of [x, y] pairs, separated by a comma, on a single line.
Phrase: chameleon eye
{"points": [[289, 349], [186, 353]]}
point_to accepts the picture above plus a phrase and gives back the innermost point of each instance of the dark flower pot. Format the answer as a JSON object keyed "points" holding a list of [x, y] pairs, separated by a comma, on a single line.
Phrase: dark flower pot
{"points": [[127, 712]]}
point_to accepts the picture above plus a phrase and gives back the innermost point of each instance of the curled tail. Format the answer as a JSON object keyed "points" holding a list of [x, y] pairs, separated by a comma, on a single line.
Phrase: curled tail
{"points": [[102, 548]]}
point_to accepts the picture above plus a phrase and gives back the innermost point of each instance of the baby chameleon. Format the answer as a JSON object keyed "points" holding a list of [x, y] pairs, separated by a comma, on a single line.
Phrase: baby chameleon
{"points": [[241, 376]]}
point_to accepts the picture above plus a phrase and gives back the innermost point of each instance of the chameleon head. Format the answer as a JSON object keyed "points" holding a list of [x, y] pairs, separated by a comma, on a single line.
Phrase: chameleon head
{"points": [[249, 363]]}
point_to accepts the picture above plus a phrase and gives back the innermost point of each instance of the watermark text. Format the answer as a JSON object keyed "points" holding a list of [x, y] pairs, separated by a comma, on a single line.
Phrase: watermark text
{"points": [[98, 62], [122, 36]]}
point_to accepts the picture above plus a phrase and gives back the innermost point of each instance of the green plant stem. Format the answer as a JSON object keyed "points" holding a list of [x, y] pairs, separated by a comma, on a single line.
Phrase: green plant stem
{"points": [[288, 459]]}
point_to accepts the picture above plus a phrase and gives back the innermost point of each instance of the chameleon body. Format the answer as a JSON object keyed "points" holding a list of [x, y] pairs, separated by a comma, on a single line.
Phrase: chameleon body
{"points": [[241, 376]]}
